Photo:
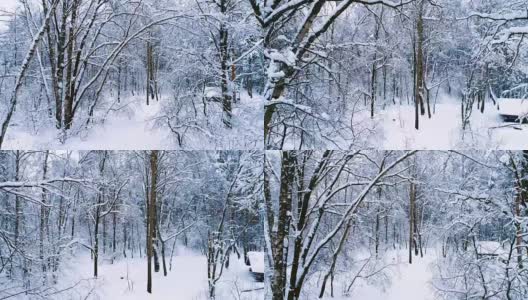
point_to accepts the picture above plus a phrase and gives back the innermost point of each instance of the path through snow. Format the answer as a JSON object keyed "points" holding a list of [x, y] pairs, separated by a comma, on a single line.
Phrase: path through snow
{"points": [[413, 281], [126, 279]]}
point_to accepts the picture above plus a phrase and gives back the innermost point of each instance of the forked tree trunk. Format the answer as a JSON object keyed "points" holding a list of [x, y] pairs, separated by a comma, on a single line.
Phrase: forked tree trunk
{"points": [[419, 63], [68, 100]]}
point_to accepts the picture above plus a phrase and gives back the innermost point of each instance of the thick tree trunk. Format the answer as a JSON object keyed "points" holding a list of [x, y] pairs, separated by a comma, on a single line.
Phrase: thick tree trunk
{"points": [[419, 64], [60, 65], [279, 243], [224, 68], [68, 100], [152, 215]]}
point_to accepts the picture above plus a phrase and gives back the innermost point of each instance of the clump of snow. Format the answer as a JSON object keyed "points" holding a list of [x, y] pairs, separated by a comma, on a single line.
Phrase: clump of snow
{"points": [[285, 56], [212, 92], [291, 103], [505, 158]]}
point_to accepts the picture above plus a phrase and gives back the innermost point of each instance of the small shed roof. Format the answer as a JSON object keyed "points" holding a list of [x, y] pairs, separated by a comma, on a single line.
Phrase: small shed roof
{"points": [[256, 260], [489, 248], [513, 107]]}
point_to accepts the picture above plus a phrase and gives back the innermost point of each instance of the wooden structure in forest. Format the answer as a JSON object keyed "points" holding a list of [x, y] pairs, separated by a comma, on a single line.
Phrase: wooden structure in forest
{"points": [[512, 104], [256, 268], [513, 110], [489, 249]]}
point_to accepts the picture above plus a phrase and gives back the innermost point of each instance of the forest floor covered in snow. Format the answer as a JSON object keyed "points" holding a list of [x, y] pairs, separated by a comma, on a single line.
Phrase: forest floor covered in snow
{"points": [[128, 125], [393, 278], [126, 278], [407, 281], [444, 130], [133, 125]]}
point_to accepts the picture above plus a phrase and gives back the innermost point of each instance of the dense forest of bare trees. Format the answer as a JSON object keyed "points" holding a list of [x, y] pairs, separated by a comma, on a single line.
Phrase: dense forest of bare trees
{"points": [[290, 74], [264, 149], [110, 206], [72, 65], [334, 67], [334, 220]]}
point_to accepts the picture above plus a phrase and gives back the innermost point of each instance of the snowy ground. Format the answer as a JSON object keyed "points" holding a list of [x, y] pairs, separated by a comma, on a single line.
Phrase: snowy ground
{"points": [[132, 125], [128, 126], [392, 128], [443, 131], [394, 279], [127, 279], [408, 281]]}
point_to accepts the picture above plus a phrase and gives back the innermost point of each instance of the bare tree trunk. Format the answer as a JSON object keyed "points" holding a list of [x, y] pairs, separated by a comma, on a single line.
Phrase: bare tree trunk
{"points": [[151, 220], [518, 228], [162, 242], [283, 224], [412, 195], [43, 219], [113, 236], [150, 71], [374, 73], [224, 68], [59, 68], [119, 84], [419, 90], [96, 238], [18, 204], [97, 218], [330, 272], [524, 194], [415, 223], [68, 100], [104, 235], [377, 233]]}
